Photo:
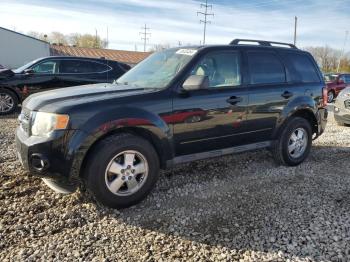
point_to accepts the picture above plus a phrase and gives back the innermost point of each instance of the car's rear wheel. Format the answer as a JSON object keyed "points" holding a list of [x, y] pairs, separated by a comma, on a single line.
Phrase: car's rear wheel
{"points": [[294, 143], [122, 170], [8, 101], [330, 96]]}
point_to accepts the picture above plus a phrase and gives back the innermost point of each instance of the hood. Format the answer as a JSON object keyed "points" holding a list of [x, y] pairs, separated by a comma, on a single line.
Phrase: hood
{"points": [[343, 95], [6, 73], [70, 96]]}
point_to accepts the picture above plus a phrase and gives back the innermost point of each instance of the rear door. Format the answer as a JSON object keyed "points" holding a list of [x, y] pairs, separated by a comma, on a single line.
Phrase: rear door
{"points": [[73, 72], [269, 92], [214, 118]]}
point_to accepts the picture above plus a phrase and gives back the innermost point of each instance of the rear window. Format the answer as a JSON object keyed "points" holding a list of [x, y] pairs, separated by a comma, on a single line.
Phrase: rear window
{"points": [[265, 68], [304, 67], [81, 67]]}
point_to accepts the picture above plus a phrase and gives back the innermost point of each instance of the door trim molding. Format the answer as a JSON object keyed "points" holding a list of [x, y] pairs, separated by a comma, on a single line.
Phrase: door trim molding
{"points": [[218, 137], [217, 153]]}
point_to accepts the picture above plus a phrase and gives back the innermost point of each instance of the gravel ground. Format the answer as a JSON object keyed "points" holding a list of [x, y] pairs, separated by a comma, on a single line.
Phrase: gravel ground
{"points": [[235, 208]]}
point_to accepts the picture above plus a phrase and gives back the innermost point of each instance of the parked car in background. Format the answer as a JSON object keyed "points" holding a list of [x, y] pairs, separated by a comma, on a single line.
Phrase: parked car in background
{"points": [[342, 107], [336, 83], [51, 73], [176, 106]]}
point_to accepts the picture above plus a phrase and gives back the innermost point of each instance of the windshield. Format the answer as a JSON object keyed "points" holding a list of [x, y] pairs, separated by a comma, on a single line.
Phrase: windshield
{"points": [[157, 70], [22, 68], [330, 78]]}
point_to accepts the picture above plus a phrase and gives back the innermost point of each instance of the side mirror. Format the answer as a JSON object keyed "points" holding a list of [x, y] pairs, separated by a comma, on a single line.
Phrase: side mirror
{"points": [[195, 82], [29, 71]]}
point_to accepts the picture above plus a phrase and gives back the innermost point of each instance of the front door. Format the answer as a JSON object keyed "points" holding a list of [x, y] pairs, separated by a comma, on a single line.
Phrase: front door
{"points": [[42, 77], [214, 118]]}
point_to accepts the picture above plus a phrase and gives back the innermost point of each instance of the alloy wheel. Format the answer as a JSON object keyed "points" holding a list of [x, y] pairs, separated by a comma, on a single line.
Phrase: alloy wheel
{"points": [[297, 143], [126, 173], [6, 103]]}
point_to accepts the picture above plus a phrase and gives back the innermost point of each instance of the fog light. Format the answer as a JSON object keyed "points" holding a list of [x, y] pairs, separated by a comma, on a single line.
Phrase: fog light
{"points": [[39, 162]]}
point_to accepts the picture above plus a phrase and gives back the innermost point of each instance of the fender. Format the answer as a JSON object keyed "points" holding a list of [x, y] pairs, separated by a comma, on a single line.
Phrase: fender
{"points": [[304, 103], [113, 121]]}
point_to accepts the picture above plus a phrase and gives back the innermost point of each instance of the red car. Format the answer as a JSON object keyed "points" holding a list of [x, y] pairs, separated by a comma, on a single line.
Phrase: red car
{"points": [[336, 83]]}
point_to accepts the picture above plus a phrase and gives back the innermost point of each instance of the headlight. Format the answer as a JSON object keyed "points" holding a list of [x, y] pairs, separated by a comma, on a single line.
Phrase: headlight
{"points": [[45, 123]]}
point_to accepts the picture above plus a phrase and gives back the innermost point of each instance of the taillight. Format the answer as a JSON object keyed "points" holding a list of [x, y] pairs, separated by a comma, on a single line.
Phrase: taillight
{"points": [[324, 96]]}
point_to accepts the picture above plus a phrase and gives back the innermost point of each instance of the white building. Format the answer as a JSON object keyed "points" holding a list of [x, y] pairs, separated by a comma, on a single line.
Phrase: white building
{"points": [[17, 49]]}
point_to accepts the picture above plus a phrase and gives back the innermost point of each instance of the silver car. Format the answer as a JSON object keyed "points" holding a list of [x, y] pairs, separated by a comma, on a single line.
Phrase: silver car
{"points": [[342, 107]]}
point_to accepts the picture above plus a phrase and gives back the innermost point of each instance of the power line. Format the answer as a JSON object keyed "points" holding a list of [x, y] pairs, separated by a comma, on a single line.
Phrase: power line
{"points": [[205, 14], [144, 36]]}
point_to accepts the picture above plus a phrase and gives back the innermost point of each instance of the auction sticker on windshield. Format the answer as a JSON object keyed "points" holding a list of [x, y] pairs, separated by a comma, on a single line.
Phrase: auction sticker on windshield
{"points": [[189, 52]]}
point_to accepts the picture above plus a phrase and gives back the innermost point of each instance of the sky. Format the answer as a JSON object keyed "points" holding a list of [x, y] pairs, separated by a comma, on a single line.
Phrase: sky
{"points": [[320, 22]]}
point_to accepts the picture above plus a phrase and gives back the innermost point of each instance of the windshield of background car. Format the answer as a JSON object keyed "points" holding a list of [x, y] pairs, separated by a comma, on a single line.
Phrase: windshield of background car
{"points": [[22, 68], [157, 70], [330, 78]]}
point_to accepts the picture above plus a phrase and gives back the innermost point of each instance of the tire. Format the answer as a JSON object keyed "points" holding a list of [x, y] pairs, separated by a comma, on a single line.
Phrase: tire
{"points": [[330, 96], [281, 149], [116, 189], [8, 101]]}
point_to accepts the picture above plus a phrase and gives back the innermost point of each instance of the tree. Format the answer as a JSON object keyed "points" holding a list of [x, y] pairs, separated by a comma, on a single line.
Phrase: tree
{"points": [[75, 39], [87, 40], [328, 59], [159, 47], [58, 38]]}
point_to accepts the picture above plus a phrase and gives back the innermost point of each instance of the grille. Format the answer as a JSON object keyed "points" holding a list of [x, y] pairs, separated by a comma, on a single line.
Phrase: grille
{"points": [[347, 103], [25, 120]]}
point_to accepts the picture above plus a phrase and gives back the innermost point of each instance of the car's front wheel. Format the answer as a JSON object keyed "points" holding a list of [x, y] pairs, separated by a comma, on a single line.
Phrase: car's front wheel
{"points": [[122, 170], [294, 143], [8, 101]]}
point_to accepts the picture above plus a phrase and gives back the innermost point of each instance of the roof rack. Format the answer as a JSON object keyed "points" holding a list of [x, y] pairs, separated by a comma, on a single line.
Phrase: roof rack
{"points": [[261, 42]]}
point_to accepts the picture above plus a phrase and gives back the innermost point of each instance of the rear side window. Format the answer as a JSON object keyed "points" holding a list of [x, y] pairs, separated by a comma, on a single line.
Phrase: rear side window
{"points": [[345, 78], [265, 68], [304, 67], [81, 67]]}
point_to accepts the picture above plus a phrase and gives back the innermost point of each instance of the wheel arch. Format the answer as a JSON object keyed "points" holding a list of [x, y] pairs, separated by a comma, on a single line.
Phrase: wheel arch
{"points": [[153, 139], [306, 113]]}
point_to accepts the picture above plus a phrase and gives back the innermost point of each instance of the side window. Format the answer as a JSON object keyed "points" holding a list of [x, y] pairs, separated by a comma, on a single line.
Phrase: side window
{"points": [[265, 68], [304, 67], [46, 67], [222, 69], [345, 78], [81, 67], [98, 67]]}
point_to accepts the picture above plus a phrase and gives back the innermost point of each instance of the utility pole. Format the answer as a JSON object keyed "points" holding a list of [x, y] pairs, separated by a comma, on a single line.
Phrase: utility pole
{"points": [[144, 36], [205, 14], [107, 43], [295, 29], [95, 38], [343, 49]]}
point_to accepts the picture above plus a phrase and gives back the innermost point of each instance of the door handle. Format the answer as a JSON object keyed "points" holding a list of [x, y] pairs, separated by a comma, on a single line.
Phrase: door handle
{"points": [[234, 100], [287, 94]]}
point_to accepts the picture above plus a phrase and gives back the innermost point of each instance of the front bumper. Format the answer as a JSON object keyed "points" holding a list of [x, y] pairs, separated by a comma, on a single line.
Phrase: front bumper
{"points": [[47, 157]]}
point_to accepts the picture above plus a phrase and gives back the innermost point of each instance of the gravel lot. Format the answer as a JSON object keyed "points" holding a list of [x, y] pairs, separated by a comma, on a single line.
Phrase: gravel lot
{"points": [[235, 208]]}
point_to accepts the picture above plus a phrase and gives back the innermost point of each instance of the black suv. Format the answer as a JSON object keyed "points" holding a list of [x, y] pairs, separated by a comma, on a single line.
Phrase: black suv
{"points": [[54, 72], [114, 138]]}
